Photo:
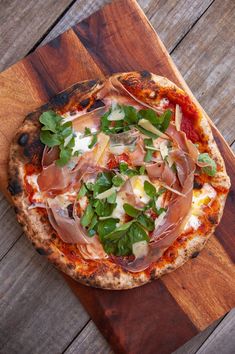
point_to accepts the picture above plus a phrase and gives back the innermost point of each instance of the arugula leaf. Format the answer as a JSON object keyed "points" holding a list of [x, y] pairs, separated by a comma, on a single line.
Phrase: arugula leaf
{"points": [[87, 131], [147, 132], [49, 139], [103, 208], [82, 192], [117, 181], [150, 115], [131, 211], [149, 154], [65, 155], [93, 223], [102, 183], [120, 241], [160, 211], [54, 133], [105, 227], [211, 169], [112, 198], [119, 231], [146, 222], [50, 120], [166, 117], [142, 170], [123, 167], [93, 141], [149, 189], [130, 114], [87, 216]]}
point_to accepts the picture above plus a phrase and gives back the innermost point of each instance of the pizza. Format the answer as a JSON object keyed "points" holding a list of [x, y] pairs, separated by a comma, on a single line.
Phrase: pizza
{"points": [[118, 181]]}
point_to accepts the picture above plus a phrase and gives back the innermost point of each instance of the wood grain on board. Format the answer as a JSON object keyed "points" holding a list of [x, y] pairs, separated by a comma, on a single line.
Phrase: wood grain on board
{"points": [[83, 53]]}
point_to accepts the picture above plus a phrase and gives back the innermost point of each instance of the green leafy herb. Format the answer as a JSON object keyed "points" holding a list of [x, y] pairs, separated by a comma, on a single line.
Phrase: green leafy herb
{"points": [[146, 222], [103, 182], [131, 211], [112, 198], [87, 131], [55, 133], [160, 211], [82, 191], [87, 216], [106, 226], [117, 181], [142, 170], [103, 208], [210, 170], [147, 132], [93, 141], [130, 114], [119, 242], [166, 118], [123, 167], [149, 154], [149, 189]]}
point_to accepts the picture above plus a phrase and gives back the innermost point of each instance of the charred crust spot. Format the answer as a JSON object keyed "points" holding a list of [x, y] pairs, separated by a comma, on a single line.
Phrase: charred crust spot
{"points": [[33, 151], [145, 74], [43, 252], [84, 103], [212, 219], [195, 254], [152, 274], [197, 185], [70, 266], [16, 210], [23, 139], [14, 187], [53, 236], [61, 99], [95, 105]]}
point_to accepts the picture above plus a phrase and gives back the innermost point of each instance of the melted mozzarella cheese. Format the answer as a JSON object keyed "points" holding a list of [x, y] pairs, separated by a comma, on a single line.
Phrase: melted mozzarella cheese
{"points": [[82, 142], [119, 212], [137, 183], [201, 198], [32, 180]]}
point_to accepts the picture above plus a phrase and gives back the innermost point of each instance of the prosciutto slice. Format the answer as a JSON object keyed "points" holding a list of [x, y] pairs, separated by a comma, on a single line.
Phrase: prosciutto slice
{"points": [[70, 231], [161, 171], [175, 217]]}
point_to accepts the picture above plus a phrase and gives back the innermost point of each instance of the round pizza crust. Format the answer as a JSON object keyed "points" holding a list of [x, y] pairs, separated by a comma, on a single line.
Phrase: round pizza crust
{"points": [[27, 148]]}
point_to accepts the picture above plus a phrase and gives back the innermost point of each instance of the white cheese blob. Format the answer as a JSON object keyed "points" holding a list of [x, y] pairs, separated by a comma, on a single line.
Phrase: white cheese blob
{"points": [[119, 212], [193, 222], [82, 142], [137, 183]]}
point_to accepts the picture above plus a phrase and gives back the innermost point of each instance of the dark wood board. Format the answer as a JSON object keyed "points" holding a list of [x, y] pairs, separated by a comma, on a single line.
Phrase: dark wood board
{"points": [[158, 317]]}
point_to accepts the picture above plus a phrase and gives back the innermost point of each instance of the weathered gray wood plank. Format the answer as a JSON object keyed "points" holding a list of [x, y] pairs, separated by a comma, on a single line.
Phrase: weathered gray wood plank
{"points": [[10, 230], [23, 23], [173, 19], [79, 11], [39, 313], [205, 57], [195, 343], [222, 340], [89, 341]]}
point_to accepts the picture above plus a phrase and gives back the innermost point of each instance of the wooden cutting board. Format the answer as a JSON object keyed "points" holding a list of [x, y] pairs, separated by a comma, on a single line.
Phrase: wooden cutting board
{"points": [[161, 316]]}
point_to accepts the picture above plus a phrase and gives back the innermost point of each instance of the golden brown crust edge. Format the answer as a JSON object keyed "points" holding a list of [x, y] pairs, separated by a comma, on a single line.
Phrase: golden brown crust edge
{"points": [[37, 229]]}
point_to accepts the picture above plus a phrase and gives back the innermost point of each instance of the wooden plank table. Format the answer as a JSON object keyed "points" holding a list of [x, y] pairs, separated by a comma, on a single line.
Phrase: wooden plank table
{"points": [[39, 314]]}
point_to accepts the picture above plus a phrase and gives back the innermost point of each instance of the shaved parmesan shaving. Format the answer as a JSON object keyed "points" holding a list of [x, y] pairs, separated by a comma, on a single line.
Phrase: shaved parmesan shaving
{"points": [[117, 149], [144, 123], [116, 113], [178, 117], [106, 194], [164, 149], [140, 249]]}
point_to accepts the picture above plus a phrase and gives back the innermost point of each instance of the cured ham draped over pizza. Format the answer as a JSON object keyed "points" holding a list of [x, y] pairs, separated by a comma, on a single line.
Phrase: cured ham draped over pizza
{"points": [[118, 181]]}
